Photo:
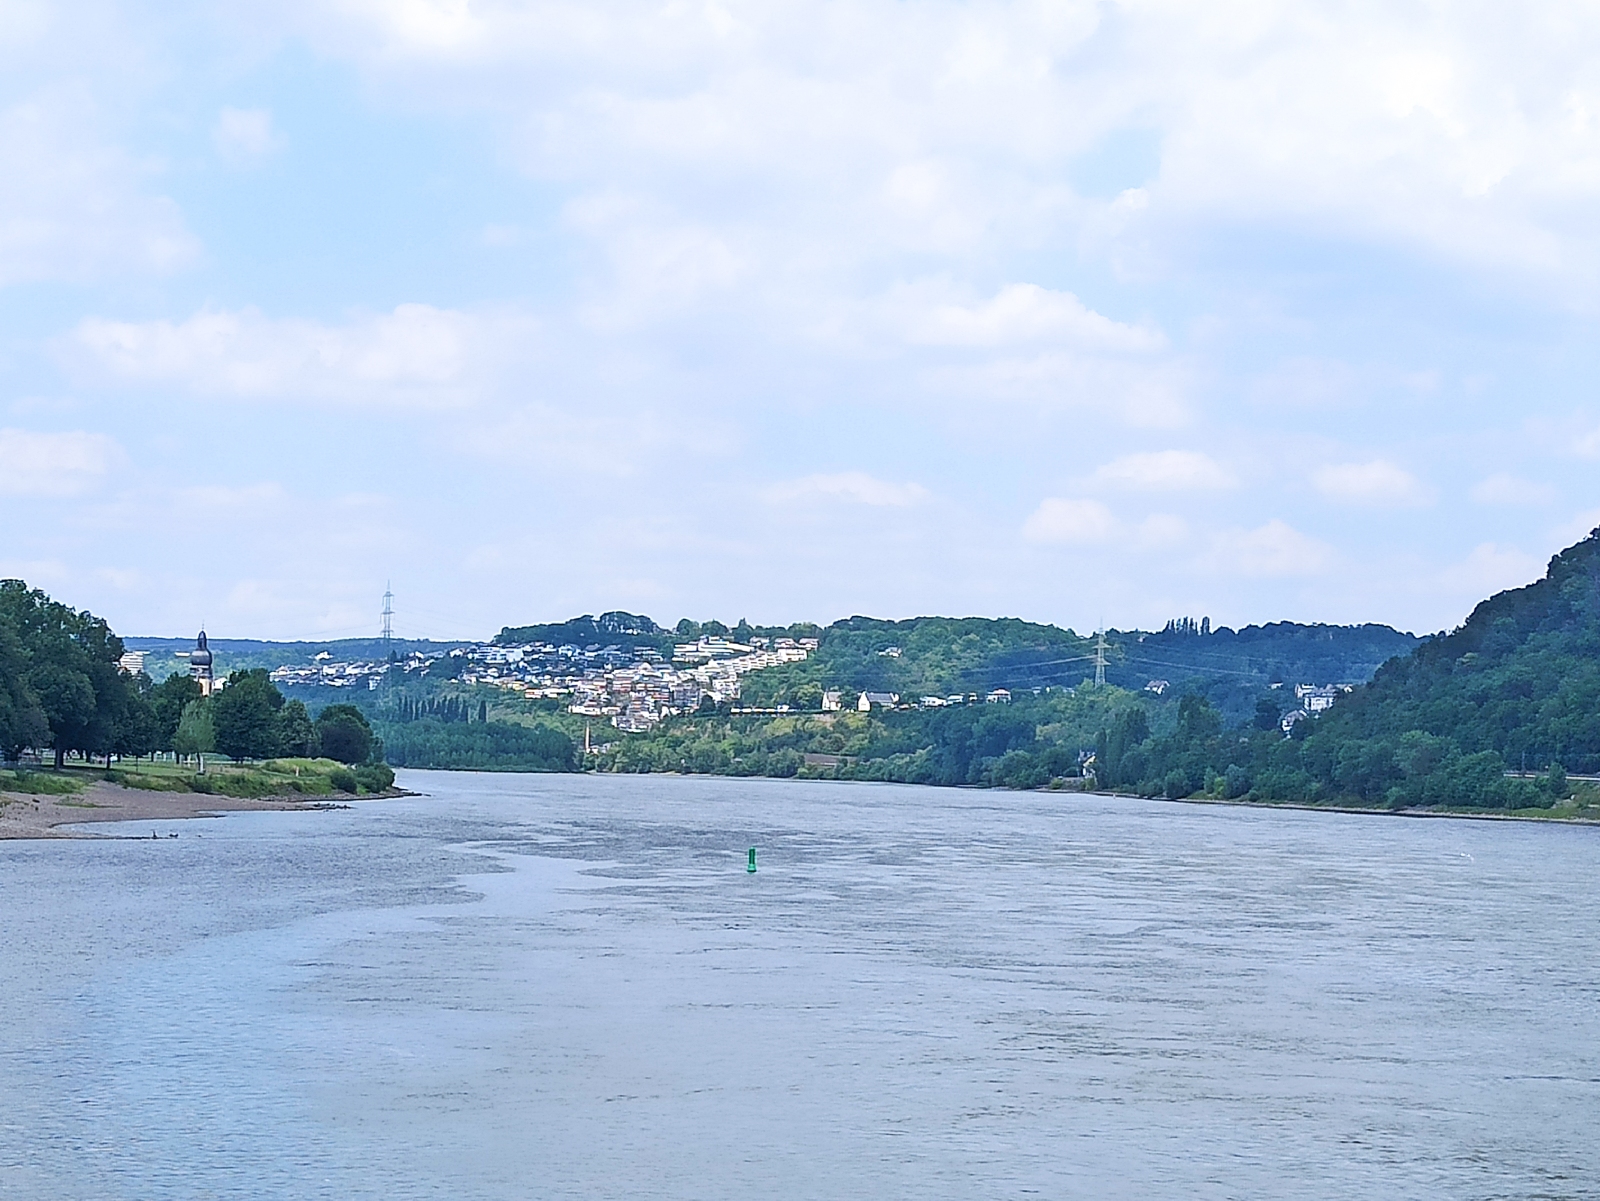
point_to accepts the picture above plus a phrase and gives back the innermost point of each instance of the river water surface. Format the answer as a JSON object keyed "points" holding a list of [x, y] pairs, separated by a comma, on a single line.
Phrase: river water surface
{"points": [[570, 987]]}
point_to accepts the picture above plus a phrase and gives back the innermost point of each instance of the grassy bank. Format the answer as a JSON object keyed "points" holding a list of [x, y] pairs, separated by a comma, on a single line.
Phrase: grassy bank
{"points": [[271, 778], [36, 782]]}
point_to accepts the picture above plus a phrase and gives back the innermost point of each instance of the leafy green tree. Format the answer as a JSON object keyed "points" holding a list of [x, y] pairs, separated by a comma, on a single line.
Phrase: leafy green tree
{"points": [[345, 734], [807, 696], [137, 731], [67, 697], [296, 735], [1267, 716], [1116, 749], [246, 715], [168, 700], [196, 734], [1555, 783], [70, 659], [22, 719]]}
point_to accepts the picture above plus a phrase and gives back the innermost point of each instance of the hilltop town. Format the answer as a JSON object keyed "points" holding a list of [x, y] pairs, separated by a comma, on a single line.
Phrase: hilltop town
{"points": [[636, 687]]}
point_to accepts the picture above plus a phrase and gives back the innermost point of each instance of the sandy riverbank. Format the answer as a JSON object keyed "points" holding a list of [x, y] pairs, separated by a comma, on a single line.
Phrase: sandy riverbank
{"points": [[26, 816]]}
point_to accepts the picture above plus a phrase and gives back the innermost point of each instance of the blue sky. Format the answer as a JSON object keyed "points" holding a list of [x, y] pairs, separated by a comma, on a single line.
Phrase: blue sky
{"points": [[1074, 312]]}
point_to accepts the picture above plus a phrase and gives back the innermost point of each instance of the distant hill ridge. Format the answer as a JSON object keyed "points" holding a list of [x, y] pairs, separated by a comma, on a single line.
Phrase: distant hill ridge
{"points": [[937, 654]]}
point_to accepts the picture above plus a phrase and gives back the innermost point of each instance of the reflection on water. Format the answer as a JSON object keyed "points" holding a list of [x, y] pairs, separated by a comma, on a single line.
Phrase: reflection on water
{"points": [[570, 987]]}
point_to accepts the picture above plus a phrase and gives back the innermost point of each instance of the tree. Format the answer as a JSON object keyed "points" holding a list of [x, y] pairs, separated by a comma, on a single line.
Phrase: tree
{"points": [[137, 731], [1126, 735], [70, 659], [296, 735], [196, 735], [345, 734], [168, 700], [1267, 715], [67, 698], [22, 720], [246, 715]]}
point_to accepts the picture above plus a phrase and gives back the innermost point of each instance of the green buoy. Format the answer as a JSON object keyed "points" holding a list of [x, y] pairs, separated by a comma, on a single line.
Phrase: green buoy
{"points": [[752, 866]]}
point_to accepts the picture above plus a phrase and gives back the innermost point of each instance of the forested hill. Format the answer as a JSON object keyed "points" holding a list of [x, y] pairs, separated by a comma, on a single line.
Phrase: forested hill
{"points": [[616, 628], [927, 656], [1520, 679], [1282, 652], [939, 656]]}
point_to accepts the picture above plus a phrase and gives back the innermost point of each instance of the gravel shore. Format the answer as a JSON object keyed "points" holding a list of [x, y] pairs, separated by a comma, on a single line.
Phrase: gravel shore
{"points": [[23, 815]]}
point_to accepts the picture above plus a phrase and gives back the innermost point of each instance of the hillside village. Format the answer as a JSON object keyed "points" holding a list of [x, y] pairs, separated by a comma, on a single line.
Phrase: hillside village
{"points": [[636, 687]]}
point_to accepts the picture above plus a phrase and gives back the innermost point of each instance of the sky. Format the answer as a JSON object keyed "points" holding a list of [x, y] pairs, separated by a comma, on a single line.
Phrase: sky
{"points": [[1078, 312]]}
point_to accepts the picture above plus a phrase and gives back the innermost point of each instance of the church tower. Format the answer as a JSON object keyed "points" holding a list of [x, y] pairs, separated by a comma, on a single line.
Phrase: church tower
{"points": [[200, 665]]}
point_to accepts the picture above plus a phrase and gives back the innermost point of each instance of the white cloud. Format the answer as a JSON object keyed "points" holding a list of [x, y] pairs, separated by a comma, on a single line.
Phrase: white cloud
{"points": [[245, 136], [660, 265], [1504, 489], [1378, 483], [1165, 471], [854, 487], [53, 465], [75, 208], [1274, 549], [1069, 521], [1161, 530], [1588, 446], [1018, 313], [416, 354], [1459, 130], [1143, 395]]}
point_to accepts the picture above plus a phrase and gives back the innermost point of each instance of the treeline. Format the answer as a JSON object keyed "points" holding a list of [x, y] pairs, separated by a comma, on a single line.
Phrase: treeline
{"points": [[1104, 738], [445, 709], [62, 690], [1318, 764], [249, 718], [60, 686], [480, 745], [1025, 744]]}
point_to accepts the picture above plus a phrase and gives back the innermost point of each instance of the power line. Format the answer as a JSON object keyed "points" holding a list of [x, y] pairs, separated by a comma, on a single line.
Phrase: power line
{"points": [[1231, 671]]}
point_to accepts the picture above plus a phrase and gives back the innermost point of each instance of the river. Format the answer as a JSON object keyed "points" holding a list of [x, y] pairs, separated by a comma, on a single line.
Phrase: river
{"points": [[570, 987]]}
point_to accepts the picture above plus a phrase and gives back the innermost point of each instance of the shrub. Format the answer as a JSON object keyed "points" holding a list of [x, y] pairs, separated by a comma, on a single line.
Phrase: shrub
{"points": [[373, 777], [344, 779], [1236, 782]]}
